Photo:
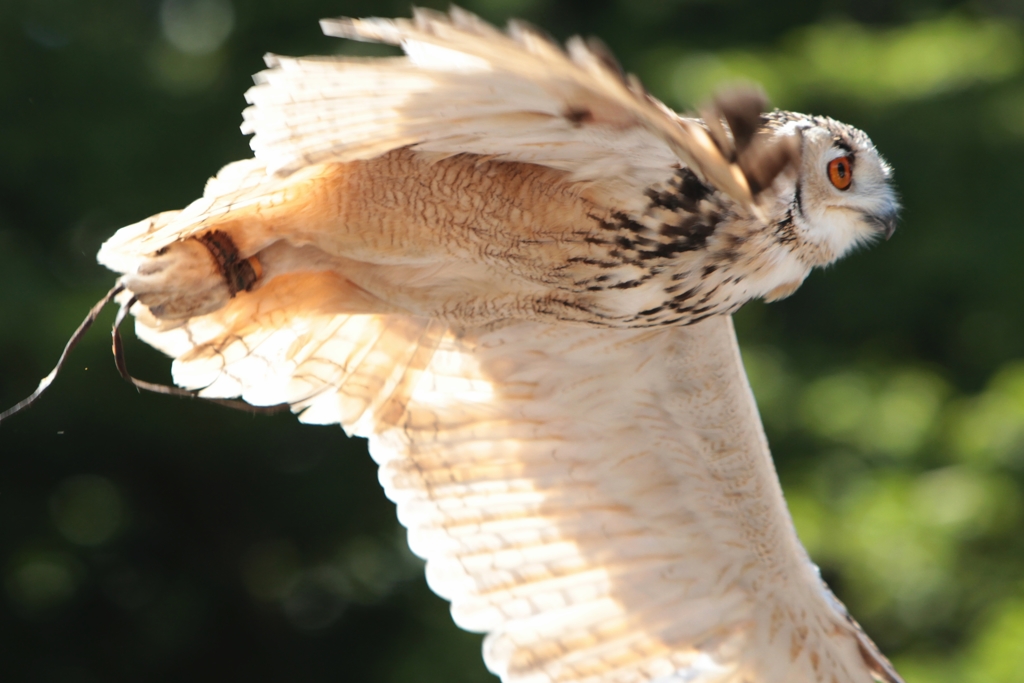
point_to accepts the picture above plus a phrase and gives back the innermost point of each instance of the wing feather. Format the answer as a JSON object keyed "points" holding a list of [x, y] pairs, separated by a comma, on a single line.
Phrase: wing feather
{"points": [[602, 503], [276, 347], [636, 530], [465, 87], [239, 188]]}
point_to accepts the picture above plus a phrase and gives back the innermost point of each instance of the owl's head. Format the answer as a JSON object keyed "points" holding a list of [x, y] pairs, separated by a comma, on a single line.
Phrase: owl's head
{"points": [[841, 195]]}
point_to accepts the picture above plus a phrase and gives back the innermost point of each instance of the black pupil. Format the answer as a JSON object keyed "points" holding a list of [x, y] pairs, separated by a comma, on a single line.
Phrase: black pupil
{"points": [[841, 169]]}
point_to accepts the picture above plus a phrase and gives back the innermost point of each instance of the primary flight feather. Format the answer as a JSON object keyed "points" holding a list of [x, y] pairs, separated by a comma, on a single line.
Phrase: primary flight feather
{"points": [[511, 269]]}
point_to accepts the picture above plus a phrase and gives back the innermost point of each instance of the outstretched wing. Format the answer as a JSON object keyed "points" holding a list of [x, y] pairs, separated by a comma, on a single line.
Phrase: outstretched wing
{"points": [[465, 87], [602, 503]]}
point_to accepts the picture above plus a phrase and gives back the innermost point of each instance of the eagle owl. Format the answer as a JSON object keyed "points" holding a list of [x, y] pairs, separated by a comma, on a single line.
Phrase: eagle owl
{"points": [[512, 270]]}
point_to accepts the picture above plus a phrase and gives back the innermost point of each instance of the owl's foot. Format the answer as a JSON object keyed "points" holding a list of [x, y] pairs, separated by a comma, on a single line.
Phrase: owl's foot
{"points": [[193, 277]]}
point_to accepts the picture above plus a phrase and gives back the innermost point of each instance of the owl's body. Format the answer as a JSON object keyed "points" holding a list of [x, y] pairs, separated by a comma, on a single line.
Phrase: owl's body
{"points": [[473, 241], [512, 269]]}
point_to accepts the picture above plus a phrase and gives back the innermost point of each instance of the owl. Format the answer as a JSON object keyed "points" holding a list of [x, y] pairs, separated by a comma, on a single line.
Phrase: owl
{"points": [[512, 270]]}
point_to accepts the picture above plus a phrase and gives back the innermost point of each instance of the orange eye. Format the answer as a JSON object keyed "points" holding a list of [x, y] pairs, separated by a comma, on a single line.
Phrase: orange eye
{"points": [[840, 172]]}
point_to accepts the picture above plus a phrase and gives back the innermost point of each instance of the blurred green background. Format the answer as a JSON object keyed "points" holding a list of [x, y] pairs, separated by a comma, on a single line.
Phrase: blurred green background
{"points": [[145, 538]]}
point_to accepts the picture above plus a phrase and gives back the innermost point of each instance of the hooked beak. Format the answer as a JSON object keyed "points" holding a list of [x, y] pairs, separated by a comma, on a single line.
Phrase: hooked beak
{"points": [[884, 223]]}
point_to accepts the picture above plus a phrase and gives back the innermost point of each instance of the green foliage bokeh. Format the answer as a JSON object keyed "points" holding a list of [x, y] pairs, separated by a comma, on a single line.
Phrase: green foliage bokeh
{"points": [[149, 538]]}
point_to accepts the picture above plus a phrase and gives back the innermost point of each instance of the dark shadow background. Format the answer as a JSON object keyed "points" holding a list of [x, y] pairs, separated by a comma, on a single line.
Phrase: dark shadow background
{"points": [[145, 538]]}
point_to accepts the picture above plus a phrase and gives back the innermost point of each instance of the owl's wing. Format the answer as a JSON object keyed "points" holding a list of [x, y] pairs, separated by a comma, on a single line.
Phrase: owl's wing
{"points": [[466, 87], [602, 503]]}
